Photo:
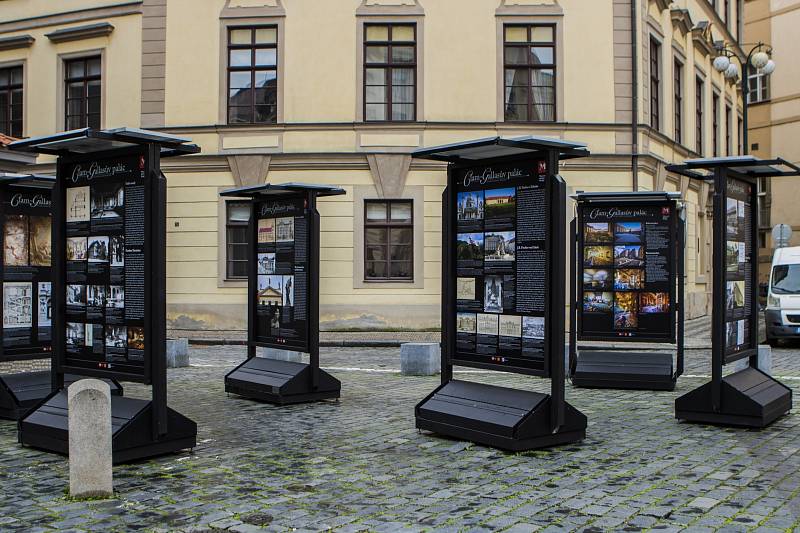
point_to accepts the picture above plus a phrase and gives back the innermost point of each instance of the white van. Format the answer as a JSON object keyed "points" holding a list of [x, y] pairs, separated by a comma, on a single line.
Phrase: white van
{"points": [[783, 296]]}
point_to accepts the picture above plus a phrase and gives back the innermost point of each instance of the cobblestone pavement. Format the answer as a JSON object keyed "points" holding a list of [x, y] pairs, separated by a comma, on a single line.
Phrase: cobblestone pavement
{"points": [[359, 464]]}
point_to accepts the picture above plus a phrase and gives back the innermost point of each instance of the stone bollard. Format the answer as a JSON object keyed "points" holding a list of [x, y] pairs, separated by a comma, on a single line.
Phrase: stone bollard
{"points": [[764, 360], [177, 353], [89, 425], [420, 359], [280, 355]]}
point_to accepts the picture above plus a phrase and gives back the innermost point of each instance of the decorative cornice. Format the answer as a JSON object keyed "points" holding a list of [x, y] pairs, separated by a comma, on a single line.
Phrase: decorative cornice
{"points": [[236, 9], [69, 17], [701, 37], [515, 8], [393, 8], [101, 29], [18, 41], [681, 19], [661, 4]]}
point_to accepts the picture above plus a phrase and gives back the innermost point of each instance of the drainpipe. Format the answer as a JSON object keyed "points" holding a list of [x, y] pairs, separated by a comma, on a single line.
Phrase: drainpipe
{"points": [[635, 99]]}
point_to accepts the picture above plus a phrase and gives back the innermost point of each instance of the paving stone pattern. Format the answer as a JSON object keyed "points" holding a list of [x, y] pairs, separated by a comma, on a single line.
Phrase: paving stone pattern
{"points": [[359, 465]]}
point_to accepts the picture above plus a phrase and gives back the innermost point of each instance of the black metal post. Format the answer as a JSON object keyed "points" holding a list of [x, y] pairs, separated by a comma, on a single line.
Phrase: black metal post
{"points": [[447, 336], [753, 259], [718, 288], [557, 201], [573, 295], [680, 307], [157, 221], [58, 265], [252, 280], [313, 293]]}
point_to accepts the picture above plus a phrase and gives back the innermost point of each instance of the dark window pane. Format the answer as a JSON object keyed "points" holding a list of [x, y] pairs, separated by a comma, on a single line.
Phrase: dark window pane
{"points": [[238, 115], [402, 111], [16, 76], [5, 75], [402, 95], [516, 112], [74, 106], [401, 253], [375, 76], [4, 112], [264, 78], [266, 56], [402, 76], [239, 80], [93, 88], [241, 58], [266, 96], [401, 235], [376, 112], [93, 66], [543, 77], [517, 76], [94, 105], [16, 97], [543, 95], [403, 54], [93, 121], [237, 269], [75, 90], [375, 94], [517, 95], [16, 112], [543, 112], [375, 236], [75, 69], [266, 113], [541, 55], [516, 55], [74, 122], [16, 129], [400, 270], [375, 269], [377, 54], [240, 97], [375, 253]]}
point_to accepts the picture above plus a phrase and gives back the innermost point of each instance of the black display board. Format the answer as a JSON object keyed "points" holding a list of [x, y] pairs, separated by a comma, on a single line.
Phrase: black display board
{"points": [[626, 270], [109, 284], [747, 397], [501, 267], [503, 283], [282, 274], [26, 263], [109, 268], [741, 285], [283, 294]]}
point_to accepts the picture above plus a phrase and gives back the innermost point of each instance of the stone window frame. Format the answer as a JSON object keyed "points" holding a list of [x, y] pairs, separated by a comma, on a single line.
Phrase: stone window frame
{"points": [[61, 92], [24, 64], [530, 15], [228, 22], [391, 15], [222, 243], [415, 193]]}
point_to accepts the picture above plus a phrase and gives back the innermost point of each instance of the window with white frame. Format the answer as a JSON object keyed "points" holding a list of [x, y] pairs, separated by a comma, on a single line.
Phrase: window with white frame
{"points": [[757, 87]]}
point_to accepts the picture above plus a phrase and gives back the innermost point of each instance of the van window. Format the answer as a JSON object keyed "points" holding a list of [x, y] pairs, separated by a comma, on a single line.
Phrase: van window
{"points": [[786, 279]]}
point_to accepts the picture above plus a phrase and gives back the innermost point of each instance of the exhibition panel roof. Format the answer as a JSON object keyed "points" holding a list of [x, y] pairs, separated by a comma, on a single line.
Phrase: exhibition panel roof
{"points": [[502, 147], [88, 141]]}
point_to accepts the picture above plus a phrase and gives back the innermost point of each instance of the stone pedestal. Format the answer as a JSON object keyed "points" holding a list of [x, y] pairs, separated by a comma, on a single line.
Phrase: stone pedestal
{"points": [[420, 359], [89, 419], [177, 353], [280, 355], [764, 360]]}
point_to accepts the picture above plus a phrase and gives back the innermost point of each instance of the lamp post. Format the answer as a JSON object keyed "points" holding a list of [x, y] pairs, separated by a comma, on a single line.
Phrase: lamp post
{"points": [[757, 58]]}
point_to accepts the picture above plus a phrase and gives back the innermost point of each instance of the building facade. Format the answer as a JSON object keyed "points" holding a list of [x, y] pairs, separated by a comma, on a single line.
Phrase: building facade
{"points": [[774, 115], [340, 92]]}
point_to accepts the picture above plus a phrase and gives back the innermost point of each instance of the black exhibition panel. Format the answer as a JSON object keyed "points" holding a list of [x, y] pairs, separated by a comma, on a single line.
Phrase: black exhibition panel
{"points": [[748, 397], [25, 212], [626, 285], [503, 283], [283, 295], [109, 285]]}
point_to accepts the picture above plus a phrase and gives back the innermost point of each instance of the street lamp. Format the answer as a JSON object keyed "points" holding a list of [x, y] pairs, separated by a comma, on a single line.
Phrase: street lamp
{"points": [[758, 58]]}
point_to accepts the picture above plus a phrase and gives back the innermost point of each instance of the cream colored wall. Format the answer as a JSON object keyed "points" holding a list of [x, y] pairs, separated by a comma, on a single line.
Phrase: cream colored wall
{"points": [[44, 89]]}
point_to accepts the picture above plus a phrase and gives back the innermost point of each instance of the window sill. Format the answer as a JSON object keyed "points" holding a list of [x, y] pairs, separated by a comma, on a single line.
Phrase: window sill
{"points": [[389, 281]]}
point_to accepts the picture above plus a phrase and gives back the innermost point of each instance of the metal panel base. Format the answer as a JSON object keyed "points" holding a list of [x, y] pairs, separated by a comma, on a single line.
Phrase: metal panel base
{"points": [[750, 398], [280, 382], [624, 370], [500, 417], [46, 428], [19, 393]]}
